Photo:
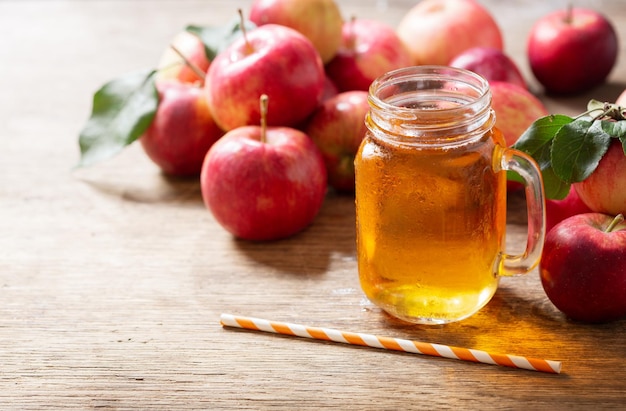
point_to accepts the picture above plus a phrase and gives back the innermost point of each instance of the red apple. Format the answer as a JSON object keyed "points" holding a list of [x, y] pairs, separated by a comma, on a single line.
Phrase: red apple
{"points": [[573, 50], [182, 130], [491, 63], [337, 128], [173, 67], [583, 267], [369, 49], [435, 31], [330, 89], [264, 183], [271, 59], [318, 20], [559, 210], [604, 191], [516, 109]]}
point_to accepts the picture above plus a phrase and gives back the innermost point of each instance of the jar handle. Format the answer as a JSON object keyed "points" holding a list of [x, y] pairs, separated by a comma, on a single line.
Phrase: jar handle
{"points": [[528, 169]]}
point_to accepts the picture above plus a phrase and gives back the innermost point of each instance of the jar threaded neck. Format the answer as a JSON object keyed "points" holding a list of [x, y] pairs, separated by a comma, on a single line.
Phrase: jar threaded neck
{"points": [[430, 105]]}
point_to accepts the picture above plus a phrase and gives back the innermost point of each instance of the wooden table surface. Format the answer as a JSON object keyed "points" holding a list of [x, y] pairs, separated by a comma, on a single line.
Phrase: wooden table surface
{"points": [[113, 278]]}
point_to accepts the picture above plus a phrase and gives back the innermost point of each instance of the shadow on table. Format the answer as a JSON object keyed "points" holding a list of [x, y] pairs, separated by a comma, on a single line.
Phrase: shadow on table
{"points": [[150, 188], [332, 233]]}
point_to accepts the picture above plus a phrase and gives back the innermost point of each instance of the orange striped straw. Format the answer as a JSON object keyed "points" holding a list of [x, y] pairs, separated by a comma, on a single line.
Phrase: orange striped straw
{"points": [[388, 343]]}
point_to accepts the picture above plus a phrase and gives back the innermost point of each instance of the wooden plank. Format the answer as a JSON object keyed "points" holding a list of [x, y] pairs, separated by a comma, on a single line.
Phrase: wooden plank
{"points": [[112, 278]]}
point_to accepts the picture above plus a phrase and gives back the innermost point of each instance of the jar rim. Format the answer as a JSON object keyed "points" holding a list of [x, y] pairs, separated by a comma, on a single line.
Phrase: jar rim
{"points": [[430, 102], [478, 84]]}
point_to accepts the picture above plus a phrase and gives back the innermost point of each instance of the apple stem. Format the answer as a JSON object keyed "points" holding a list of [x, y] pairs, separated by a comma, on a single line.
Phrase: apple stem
{"points": [[189, 64], [242, 26], [264, 102], [351, 37], [608, 110], [616, 221], [569, 13]]}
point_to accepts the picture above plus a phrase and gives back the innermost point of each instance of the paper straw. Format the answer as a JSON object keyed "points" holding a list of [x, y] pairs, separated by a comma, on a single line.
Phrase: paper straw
{"points": [[388, 343]]}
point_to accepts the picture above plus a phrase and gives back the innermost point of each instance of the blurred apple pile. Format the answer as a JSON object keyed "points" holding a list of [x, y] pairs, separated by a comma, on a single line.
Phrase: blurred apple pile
{"points": [[268, 110]]}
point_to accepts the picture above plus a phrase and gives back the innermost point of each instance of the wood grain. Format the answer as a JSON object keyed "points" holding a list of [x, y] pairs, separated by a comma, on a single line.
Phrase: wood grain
{"points": [[112, 278]]}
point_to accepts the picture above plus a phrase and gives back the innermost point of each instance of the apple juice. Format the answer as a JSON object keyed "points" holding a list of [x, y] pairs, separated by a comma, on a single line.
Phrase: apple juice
{"points": [[429, 251], [431, 197]]}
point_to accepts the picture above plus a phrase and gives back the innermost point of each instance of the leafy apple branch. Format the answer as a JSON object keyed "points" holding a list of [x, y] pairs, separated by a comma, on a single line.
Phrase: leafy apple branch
{"points": [[568, 149], [124, 107]]}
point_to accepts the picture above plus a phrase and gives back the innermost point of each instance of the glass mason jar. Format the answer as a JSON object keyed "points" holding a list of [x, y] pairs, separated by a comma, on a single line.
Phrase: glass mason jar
{"points": [[431, 196]]}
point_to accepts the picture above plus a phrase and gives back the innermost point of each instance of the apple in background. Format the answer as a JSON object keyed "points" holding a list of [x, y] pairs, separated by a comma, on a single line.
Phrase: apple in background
{"points": [[337, 128], [318, 20], [559, 210], [604, 191], [264, 183], [583, 267], [182, 130], [516, 109], [369, 49], [273, 60], [435, 31], [330, 89], [491, 63], [570, 51], [171, 66]]}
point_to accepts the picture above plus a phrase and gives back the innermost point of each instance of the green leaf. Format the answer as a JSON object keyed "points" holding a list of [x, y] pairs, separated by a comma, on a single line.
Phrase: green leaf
{"points": [[536, 141], [514, 176], [122, 110], [577, 149], [216, 39], [615, 129], [595, 105], [554, 187], [623, 140]]}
